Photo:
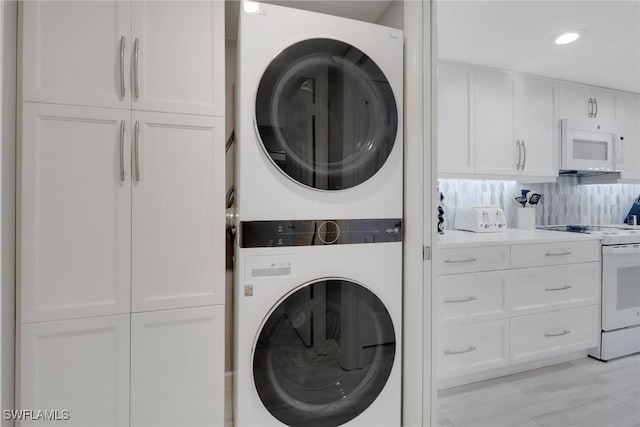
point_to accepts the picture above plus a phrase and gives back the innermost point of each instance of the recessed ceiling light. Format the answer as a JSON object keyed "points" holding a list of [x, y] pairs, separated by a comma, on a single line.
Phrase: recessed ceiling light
{"points": [[567, 37]]}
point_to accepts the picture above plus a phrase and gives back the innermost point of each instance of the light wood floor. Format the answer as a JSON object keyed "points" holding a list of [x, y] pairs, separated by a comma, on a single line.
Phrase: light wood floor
{"points": [[581, 393]]}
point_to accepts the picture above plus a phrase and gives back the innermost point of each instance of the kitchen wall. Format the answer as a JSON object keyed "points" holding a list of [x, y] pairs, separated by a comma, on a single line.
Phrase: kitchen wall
{"points": [[564, 202]]}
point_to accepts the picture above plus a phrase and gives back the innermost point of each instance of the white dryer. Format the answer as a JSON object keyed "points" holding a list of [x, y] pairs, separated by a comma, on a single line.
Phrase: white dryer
{"points": [[318, 116], [318, 328]]}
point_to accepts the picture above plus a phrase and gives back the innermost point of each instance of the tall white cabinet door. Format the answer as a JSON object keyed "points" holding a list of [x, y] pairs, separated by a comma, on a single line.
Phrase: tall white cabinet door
{"points": [[180, 56], [75, 212], [536, 125], [177, 368], [81, 366], [455, 148], [629, 123], [178, 212], [76, 52], [496, 149]]}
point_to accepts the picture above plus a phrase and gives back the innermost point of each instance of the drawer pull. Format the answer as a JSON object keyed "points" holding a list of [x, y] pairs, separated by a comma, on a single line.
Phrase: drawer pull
{"points": [[559, 289], [450, 301], [559, 253], [565, 332], [468, 350], [450, 261]]}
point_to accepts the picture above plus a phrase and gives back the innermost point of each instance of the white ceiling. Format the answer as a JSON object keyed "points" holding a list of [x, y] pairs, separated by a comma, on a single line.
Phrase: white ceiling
{"points": [[518, 35]]}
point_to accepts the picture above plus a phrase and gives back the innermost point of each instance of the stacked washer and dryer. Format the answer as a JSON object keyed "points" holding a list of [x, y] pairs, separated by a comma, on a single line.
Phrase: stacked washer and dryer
{"points": [[318, 261]]}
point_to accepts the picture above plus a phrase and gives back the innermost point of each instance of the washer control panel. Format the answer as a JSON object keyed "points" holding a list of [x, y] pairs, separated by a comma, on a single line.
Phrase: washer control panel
{"points": [[262, 234]]}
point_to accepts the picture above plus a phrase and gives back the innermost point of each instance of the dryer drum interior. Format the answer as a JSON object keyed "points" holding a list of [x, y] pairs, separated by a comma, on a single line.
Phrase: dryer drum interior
{"points": [[326, 114], [324, 354]]}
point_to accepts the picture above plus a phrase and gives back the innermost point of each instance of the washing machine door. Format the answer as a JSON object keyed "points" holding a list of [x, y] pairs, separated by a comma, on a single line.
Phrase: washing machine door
{"points": [[326, 114], [324, 354]]}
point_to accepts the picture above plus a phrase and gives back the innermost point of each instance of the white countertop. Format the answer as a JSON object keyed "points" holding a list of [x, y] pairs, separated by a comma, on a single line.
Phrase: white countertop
{"points": [[510, 236]]}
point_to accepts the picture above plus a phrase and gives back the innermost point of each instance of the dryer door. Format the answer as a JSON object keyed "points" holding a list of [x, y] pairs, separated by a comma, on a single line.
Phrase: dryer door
{"points": [[326, 114], [324, 354]]}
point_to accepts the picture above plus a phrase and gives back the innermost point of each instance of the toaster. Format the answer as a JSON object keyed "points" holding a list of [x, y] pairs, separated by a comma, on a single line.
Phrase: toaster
{"points": [[480, 220]]}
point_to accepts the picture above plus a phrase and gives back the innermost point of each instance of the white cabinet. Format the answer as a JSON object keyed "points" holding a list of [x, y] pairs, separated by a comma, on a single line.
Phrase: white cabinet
{"points": [[162, 55], [629, 122], [177, 368], [76, 52], [178, 56], [535, 126], [81, 366], [495, 124], [74, 212], [496, 150], [551, 334], [581, 102], [456, 150], [178, 211], [500, 306]]}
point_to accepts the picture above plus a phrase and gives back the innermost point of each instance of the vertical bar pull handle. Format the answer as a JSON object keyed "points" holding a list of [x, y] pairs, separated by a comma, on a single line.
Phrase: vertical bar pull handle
{"points": [[595, 103], [136, 151], [590, 106], [121, 150], [519, 154], [524, 156], [122, 45], [136, 82]]}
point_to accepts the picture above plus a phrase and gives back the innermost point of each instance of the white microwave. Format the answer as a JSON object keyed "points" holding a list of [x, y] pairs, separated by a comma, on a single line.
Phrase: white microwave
{"points": [[591, 147]]}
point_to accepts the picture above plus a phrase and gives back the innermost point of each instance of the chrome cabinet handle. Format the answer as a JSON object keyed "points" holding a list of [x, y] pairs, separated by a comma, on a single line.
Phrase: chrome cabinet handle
{"points": [[524, 157], [595, 102], [136, 151], [468, 350], [559, 253], [136, 84], [559, 289], [565, 332], [122, 45], [121, 150], [519, 154], [590, 104], [451, 301], [452, 261]]}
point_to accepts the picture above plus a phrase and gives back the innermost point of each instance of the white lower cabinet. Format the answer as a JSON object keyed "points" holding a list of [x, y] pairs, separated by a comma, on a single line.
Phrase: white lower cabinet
{"points": [[177, 367], [501, 306], [550, 334], [472, 348], [80, 366]]}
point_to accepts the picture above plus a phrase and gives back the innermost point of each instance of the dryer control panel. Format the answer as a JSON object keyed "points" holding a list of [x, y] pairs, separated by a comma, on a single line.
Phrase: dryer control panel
{"points": [[262, 234]]}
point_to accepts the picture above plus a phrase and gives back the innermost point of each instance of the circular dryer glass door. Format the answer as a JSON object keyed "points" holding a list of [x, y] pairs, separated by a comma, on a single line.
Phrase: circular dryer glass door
{"points": [[324, 354], [326, 114]]}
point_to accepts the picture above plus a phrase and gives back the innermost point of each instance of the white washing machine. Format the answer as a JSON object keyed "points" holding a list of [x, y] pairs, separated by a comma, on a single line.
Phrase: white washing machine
{"points": [[318, 116], [318, 328]]}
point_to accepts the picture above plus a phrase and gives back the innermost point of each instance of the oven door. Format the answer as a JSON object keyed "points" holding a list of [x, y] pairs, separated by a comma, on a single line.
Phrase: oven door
{"points": [[620, 286]]}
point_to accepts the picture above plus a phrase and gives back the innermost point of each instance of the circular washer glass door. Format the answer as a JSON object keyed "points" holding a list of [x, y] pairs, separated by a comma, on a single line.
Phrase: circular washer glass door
{"points": [[324, 354], [326, 114]]}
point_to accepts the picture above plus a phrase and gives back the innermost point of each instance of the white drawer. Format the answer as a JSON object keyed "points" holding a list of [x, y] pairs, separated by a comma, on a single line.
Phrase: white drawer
{"points": [[550, 334], [540, 289], [472, 297], [539, 254], [472, 348], [467, 260]]}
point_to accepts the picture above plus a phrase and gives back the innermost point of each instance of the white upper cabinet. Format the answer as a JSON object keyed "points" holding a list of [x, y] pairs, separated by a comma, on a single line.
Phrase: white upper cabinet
{"points": [[76, 52], [495, 145], [74, 212], [581, 102], [535, 129], [178, 211], [629, 123], [177, 56], [165, 56], [456, 152]]}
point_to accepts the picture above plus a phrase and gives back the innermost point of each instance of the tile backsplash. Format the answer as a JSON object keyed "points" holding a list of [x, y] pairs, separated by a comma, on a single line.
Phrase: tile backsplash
{"points": [[564, 202]]}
